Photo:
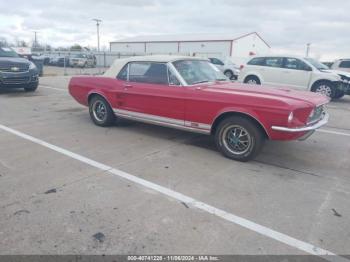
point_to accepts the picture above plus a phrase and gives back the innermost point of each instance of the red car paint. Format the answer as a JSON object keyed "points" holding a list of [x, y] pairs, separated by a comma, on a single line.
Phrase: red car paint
{"points": [[204, 103]]}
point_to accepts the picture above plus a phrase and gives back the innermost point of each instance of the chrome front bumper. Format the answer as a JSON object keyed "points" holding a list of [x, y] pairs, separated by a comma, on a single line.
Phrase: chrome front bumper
{"points": [[312, 127]]}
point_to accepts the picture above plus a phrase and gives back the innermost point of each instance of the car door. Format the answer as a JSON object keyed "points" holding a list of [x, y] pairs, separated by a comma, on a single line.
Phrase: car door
{"points": [[148, 95], [271, 71], [295, 74]]}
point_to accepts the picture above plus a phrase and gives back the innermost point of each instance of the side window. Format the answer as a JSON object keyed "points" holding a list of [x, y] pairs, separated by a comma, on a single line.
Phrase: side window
{"points": [[345, 64], [216, 61], [123, 74], [274, 61], [291, 63], [257, 61], [146, 72], [296, 64], [303, 66]]}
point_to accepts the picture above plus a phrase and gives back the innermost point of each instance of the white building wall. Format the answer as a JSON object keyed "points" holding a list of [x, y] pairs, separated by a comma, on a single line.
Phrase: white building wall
{"points": [[242, 48], [128, 47], [162, 48], [214, 48]]}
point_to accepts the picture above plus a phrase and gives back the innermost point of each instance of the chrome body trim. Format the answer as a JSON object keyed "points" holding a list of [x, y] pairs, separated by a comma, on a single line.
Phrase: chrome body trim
{"points": [[317, 125], [164, 121], [307, 135]]}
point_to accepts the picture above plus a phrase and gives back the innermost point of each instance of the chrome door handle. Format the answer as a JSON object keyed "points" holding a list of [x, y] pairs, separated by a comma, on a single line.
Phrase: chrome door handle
{"points": [[126, 86]]}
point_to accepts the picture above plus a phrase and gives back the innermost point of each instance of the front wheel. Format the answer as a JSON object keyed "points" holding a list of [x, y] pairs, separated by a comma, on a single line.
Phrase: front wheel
{"points": [[31, 88], [252, 80], [229, 74], [239, 138], [325, 88], [100, 111]]}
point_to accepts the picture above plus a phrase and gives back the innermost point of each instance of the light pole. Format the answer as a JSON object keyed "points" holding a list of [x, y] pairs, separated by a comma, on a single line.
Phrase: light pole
{"points": [[307, 49], [98, 21]]}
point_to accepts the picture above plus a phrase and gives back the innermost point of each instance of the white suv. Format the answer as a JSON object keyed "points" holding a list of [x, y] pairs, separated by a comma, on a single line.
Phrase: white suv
{"points": [[341, 64], [296, 72], [230, 69]]}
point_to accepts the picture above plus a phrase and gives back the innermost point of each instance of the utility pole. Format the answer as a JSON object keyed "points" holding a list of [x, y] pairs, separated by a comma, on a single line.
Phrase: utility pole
{"points": [[98, 21], [307, 49], [35, 39]]}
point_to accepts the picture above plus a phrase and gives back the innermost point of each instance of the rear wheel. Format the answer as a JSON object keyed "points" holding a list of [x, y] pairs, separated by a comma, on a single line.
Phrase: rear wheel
{"points": [[100, 111], [239, 138], [252, 80]]}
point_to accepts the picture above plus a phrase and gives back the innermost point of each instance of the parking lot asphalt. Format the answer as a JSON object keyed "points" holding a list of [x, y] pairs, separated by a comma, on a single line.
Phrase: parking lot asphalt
{"points": [[52, 203]]}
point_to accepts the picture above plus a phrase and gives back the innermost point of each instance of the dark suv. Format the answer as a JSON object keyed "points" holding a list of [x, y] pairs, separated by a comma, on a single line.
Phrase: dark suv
{"points": [[17, 72]]}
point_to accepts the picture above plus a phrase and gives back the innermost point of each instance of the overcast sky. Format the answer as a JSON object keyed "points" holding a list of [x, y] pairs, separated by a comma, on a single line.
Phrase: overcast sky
{"points": [[286, 25]]}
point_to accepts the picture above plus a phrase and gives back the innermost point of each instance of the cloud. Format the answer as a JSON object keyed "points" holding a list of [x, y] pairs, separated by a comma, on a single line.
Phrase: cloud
{"points": [[286, 25]]}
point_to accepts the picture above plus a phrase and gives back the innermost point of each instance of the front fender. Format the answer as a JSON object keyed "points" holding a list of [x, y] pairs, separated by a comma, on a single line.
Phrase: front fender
{"points": [[243, 111]]}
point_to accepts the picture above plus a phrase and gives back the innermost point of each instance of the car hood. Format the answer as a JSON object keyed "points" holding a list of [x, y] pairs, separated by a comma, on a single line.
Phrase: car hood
{"points": [[286, 95], [338, 72], [11, 60]]}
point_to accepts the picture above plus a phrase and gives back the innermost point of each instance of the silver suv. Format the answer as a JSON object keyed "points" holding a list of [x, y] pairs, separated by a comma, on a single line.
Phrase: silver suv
{"points": [[82, 60]]}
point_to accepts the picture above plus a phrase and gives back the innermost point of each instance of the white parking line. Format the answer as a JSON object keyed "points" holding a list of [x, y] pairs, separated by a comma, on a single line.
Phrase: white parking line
{"points": [[265, 231], [333, 132], [54, 88]]}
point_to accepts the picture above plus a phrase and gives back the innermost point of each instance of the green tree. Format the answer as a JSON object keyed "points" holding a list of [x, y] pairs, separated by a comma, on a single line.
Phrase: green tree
{"points": [[76, 47]]}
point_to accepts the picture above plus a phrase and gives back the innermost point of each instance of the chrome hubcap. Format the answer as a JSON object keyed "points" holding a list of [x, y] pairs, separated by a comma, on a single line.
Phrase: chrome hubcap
{"points": [[252, 82], [237, 139], [99, 110], [324, 90], [228, 75]]}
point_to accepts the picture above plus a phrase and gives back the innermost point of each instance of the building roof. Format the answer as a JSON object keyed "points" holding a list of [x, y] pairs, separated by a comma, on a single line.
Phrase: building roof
{"points": [[185, 38]]}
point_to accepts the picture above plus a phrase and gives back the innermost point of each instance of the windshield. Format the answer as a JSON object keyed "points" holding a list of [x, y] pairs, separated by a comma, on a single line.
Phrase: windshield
{"points": [[7, 52], [317, 64], [198, 71]]}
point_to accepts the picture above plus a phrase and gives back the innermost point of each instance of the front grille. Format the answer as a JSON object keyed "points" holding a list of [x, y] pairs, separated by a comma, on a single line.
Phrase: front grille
{"points": [[317, 114], [15, 80], [14, 68]]}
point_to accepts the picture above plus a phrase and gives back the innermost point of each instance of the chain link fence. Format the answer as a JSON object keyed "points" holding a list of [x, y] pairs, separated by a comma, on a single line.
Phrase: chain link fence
{"points": [[61, 62]]}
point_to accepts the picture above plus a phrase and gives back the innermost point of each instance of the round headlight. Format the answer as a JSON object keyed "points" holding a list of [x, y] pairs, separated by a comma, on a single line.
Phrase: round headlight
{"points": [[32, 66]]}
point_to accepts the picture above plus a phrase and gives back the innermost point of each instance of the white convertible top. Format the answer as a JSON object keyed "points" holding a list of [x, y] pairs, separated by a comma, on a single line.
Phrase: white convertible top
{"points": [[118, 64]]}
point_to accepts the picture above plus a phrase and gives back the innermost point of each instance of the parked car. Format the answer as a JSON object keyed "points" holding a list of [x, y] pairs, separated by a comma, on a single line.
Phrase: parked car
{"points": [[191, 94], [296, 72], [341, 64], [63, 61], [26, 53], [230, 70], [17, 72], [83, 60], [54, 60]]}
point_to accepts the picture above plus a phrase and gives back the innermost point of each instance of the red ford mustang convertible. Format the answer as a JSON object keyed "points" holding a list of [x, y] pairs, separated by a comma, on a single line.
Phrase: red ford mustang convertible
{"points": [[191, 94]]}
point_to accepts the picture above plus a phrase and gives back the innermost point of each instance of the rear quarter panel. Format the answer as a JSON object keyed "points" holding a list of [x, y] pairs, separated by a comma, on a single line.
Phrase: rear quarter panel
{"points": [[82, 86]]}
